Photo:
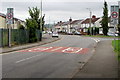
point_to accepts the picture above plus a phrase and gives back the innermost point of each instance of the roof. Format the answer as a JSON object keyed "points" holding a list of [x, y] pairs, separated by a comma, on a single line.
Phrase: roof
{"points": [[68, 22], [59, 24], [88, 20], [76, 21], [4, 16]]}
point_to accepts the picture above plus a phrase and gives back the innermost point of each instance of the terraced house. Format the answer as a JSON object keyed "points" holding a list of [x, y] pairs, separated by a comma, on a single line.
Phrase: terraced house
{"points": [[68, 26], [16, 22]]}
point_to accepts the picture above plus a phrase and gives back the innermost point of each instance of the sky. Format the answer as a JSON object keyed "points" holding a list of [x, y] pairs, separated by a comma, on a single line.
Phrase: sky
{"points": [[57, 10]]}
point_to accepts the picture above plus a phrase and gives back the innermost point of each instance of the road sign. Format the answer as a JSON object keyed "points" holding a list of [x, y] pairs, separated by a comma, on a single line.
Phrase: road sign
{"points": [[114, 15], [9, 16]]}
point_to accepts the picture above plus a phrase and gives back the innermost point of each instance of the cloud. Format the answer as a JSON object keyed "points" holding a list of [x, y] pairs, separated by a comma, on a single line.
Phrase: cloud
{"points": [[59, 0], [57, 10]]}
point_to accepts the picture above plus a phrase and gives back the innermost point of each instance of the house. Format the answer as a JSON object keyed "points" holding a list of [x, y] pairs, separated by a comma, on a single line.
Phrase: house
{"points": [[15, 25], [76, 25], [2, 21], [68, 26], [58, 26], [95, 22]]}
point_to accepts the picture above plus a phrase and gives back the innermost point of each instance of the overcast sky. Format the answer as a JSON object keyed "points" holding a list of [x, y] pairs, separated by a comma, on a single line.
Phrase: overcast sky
{"points": [[57, 10]]}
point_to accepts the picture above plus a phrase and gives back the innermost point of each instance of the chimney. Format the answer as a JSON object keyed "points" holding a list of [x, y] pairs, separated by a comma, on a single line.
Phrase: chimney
{"points": [[70, 19], [60, 21], [93, 16]]}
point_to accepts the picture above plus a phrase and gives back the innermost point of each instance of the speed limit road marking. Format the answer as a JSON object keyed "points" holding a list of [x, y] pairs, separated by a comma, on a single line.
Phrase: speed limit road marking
{"points": [[57, 49]]}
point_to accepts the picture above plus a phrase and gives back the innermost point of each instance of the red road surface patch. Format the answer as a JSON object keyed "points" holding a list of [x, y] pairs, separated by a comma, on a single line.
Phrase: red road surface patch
{"points": [[57, 49]]}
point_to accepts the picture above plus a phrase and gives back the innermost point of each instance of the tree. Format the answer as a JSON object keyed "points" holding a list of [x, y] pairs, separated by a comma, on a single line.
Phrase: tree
{"points": [[88, 32], [35, 14], [43, 22], [105, 19], [31, 26], [33, 23], [21, 27]]}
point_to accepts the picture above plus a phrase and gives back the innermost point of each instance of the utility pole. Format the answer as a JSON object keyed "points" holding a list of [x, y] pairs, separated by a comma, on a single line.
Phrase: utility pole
{"points": [[49, 26], [41, 22], [70, 23], [90, 19]]}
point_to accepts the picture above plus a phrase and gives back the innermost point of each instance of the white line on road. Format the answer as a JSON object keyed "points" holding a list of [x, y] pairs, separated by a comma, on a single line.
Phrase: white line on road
{"points": [[57, 49], [96, 40], [28, 58], [79, 50]]}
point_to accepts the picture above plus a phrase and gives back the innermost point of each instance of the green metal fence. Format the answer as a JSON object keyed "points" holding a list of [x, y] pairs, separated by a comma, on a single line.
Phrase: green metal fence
{"points": [[0, 37], [18, 37]]}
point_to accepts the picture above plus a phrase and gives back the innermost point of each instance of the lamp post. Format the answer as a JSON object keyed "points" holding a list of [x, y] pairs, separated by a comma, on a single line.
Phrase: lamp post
{"points": [[41, 22], [41, 16], [90, 18]]}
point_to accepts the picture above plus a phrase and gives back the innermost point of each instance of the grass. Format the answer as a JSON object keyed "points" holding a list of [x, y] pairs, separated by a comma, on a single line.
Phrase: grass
{"points": [[101, 36], [116, 45]]}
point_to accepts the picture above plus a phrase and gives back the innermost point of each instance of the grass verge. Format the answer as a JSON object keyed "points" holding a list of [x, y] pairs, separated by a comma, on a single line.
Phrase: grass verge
{"points": [[102, 36], [116, 45]]}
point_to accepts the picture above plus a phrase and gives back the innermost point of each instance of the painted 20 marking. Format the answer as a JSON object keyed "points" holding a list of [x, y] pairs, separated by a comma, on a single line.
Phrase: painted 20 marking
{"points": [[57, 49]]}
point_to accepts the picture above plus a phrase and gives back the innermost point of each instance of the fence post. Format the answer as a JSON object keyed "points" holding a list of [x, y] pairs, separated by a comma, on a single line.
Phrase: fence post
{"points": [[40, 35]]}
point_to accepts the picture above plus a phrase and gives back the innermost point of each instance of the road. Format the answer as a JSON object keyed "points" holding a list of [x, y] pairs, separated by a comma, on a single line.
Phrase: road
{"points": [[60, 59]]}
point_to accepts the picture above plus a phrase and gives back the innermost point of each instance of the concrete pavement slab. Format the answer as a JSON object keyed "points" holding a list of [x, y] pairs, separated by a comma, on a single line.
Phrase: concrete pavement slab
{"points": [[103, 64]]}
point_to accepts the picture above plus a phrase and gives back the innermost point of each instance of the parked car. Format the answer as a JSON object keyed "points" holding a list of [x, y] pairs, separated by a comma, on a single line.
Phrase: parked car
{"points": [[55, 34], [77, 33], [112, 34], [70, 33], [49, 32]]}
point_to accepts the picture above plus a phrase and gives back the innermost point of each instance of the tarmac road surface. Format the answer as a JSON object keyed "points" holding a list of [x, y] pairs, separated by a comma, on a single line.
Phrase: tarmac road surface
{"points": [[60, 59]]}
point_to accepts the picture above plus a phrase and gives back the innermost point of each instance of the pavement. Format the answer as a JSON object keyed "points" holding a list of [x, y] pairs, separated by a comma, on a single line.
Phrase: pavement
{"points": [[103, 64], [45, 40]]}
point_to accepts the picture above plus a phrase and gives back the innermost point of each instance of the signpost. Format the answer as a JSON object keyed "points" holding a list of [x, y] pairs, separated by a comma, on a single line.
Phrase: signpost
{"points": [[114, 18], [9, 18]]}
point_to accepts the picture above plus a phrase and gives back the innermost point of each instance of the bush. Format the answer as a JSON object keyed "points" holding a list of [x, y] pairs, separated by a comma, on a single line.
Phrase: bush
{"points": [[21, 27], [31, 25]]}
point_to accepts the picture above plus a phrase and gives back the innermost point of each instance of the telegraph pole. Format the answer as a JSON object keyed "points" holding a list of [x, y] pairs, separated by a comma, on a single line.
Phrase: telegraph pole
{"points": [[41, 16], [41, 21], [90, 19]]}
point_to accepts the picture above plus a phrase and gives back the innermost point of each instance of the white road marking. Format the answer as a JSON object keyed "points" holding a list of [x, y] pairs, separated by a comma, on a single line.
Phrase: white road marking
{"points": [[28, 58], [68, 49], [43, 49], [57, 49], [96, 40], [72, 50], [79, 50]]}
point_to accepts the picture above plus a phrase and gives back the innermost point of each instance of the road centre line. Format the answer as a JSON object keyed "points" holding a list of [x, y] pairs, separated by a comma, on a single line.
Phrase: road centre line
{"points": [[28, 58]]}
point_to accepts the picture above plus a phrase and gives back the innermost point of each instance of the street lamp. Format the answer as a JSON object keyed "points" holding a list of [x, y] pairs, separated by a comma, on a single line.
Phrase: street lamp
{"points": [[41, 22], [41, 16], [90, 18]]}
